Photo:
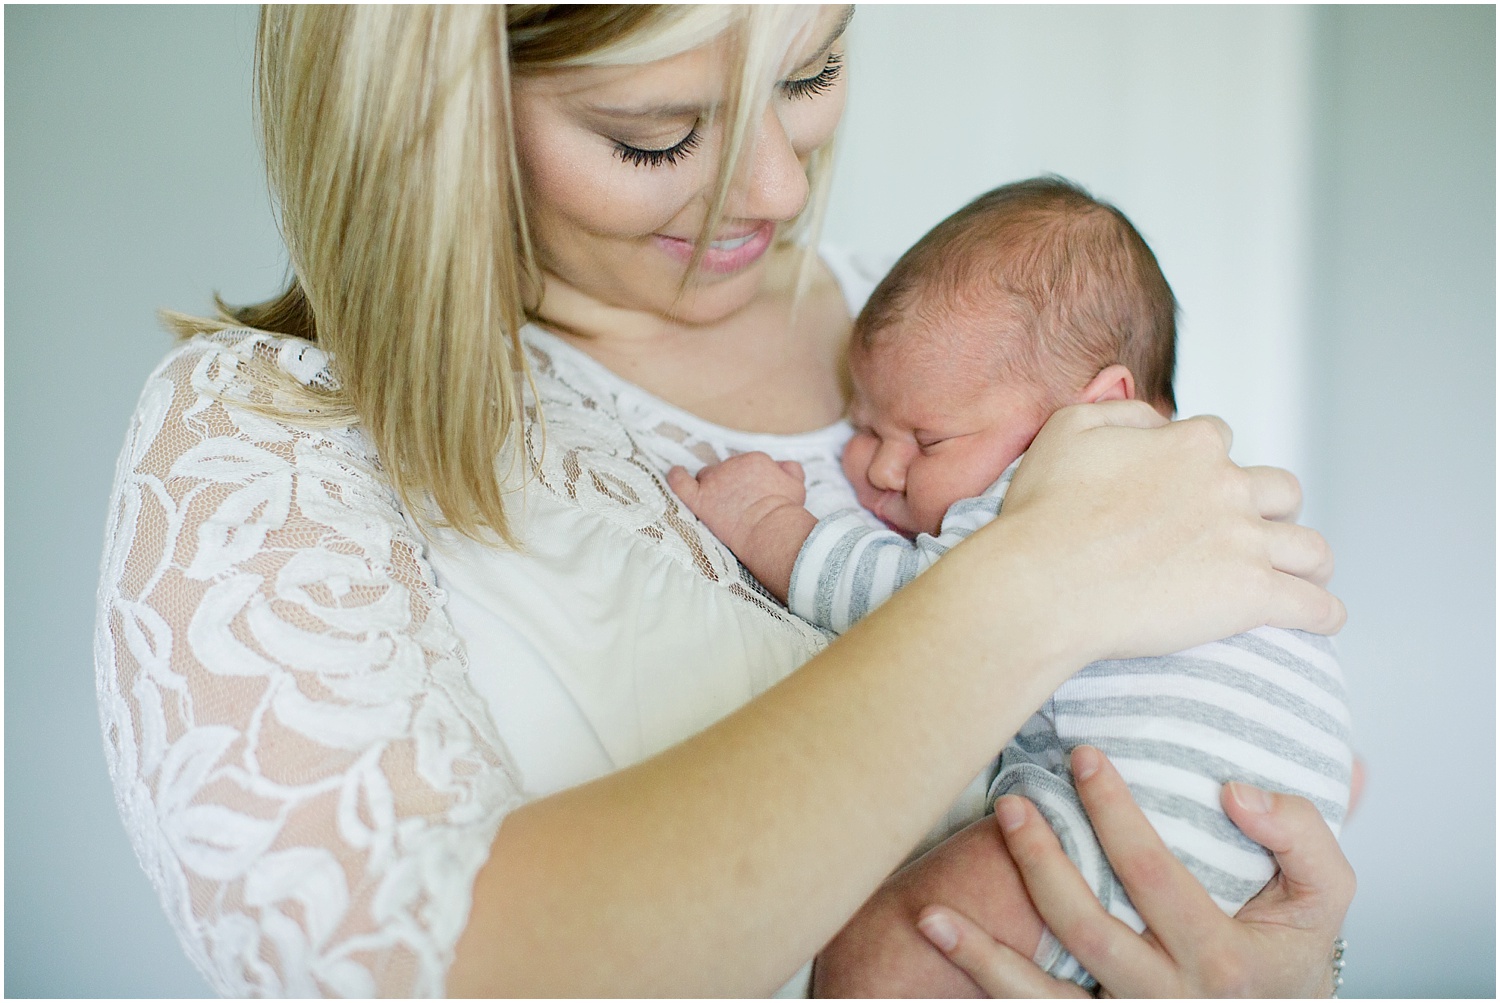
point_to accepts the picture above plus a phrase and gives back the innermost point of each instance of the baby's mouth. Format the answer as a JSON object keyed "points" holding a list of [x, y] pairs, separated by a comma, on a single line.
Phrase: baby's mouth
{"points": [[878, 510]]}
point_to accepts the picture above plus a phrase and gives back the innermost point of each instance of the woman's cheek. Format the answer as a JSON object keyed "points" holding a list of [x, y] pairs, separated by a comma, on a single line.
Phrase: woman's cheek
{"points": [[811, 123], [577, 175], [589, 184]]}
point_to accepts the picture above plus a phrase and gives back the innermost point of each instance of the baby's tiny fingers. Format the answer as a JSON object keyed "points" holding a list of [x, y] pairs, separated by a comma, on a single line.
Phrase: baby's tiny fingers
{"points": [[683, 483], [793, 470]]}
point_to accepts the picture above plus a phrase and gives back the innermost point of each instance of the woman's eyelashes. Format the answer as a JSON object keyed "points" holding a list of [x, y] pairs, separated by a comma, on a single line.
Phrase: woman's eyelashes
{"points": [[670, 156], [818, 83]]}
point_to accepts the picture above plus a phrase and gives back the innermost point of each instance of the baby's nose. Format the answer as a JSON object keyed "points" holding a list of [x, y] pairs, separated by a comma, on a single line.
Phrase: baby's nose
{"points": [[887, 471]]}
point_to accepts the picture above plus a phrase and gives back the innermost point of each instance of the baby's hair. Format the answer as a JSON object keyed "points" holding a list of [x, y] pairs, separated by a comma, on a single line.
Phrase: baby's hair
{"points": [[1062, 280]]}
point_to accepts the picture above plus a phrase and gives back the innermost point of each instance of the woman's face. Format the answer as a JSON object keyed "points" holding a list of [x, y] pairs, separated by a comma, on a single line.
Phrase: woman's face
{"points": [[619, 165]]}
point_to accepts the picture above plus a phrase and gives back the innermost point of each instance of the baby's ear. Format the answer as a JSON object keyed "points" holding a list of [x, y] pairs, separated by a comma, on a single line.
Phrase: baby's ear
{"points": [[1114, 383]]}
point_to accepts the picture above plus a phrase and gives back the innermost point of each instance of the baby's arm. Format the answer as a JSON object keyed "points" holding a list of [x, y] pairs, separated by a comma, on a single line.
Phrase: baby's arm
{"points": [[754, 504], [880, 952], [829, 572], [848, 567]]}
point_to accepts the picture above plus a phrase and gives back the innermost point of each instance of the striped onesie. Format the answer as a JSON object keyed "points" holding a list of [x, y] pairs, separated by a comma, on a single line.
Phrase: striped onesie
{"points": [[1266, 707]]}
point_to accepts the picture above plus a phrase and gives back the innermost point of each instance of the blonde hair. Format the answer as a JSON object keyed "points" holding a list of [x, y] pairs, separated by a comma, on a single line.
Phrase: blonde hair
{"points": [[389, 144]]}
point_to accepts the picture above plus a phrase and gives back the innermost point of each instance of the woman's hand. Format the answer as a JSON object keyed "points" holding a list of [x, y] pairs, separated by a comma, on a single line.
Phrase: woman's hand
{"points": [[1280, 944], [1166, 542]]}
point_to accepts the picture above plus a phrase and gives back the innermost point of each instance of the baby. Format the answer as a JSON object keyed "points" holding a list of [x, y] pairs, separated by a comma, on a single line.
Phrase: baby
{"points": [[1033, 297]]}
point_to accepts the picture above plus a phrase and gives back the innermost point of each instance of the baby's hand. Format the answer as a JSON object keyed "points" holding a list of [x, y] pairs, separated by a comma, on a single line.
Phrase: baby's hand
{"points": [[734, 496], [754, 504]]}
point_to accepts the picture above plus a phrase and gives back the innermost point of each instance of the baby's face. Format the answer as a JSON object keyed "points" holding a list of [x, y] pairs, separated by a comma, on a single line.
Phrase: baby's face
{"points": [[931, 429]]}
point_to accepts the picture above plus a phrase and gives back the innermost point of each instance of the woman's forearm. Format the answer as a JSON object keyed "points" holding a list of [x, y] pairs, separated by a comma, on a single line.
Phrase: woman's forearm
{"points": [[724, 863]]}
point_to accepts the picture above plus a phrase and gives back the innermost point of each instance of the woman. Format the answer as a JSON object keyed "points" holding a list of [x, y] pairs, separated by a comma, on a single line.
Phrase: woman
{"points": [[339, 643]]}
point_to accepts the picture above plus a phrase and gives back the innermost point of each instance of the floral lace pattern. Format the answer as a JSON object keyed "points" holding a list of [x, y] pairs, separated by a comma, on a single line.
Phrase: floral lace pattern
{"points": [[305, 768], [305, 772], [608, 454]]}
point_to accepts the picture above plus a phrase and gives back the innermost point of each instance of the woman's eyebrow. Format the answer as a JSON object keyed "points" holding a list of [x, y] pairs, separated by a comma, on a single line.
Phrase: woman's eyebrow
{"points": [[654, 111], [686, 110], [833, 36]]}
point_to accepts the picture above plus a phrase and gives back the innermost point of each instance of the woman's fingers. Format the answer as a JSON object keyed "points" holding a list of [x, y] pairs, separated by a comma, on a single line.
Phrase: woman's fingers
{"points": [[995, 968], [1300, 551], [1302, 908], [1301, 605], [1278, 944], [1219, 425], [1128, 413], [1277, 494], [1165, 893], [1107, 948], [1312, 865]]}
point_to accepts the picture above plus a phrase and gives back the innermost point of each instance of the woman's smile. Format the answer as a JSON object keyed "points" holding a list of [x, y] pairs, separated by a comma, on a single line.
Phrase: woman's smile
{"points": [[725, 254], [621, 166]]}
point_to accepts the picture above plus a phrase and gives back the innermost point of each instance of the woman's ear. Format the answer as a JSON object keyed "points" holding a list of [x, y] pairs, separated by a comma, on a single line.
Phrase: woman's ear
{"points": [[1114, 383]]}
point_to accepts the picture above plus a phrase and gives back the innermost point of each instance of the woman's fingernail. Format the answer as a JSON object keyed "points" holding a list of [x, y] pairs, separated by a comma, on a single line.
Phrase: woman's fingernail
{"points": [[1010, 813], [1085, 762], [940, 930], [1250, 798]]}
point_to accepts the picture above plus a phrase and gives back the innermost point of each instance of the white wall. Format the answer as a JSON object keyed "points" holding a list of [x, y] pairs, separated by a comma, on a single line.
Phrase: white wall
{"points": [[1403, 472], [1347, 342], [132, 181]]}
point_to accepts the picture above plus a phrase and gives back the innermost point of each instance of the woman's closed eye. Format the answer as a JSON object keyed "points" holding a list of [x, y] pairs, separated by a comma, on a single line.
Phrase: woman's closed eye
{"points": [[807, 87], [670, 156]]}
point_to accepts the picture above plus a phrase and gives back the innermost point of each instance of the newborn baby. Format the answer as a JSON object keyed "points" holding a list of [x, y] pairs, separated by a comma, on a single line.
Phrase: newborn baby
{"points": [[1033, 297]]}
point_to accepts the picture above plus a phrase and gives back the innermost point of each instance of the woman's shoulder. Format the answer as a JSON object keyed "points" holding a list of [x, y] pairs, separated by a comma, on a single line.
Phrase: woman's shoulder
{"points": [[212, 441], [251, 386], [245, 367], [285, 701]]}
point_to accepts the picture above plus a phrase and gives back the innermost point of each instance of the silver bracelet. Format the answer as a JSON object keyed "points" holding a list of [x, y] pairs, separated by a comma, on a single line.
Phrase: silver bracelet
{"points": [[1340, 945]]}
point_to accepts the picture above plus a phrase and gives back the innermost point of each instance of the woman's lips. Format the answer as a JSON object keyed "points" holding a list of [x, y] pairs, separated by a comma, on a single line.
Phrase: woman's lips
{"points": [[726, 254]]}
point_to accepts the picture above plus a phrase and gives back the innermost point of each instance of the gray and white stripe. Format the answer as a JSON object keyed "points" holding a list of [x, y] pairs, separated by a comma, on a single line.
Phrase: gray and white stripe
{"points": [[847, 567], [1267, 707]]}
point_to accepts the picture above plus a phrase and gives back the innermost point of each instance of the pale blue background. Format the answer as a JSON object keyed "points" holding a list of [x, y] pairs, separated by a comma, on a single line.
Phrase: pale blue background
{"points": [[1324, 177]]}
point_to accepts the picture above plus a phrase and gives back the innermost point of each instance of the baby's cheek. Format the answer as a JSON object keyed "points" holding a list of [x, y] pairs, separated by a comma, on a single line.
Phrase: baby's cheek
{"points": [[856, 463], [929, 493]]}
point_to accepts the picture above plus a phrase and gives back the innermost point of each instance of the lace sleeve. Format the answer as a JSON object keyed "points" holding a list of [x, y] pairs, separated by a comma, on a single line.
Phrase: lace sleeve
{"points": [[305, 772]]}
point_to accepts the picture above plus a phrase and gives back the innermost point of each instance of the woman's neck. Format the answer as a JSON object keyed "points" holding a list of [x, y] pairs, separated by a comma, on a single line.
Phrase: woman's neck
{"points": [[765, 368]]}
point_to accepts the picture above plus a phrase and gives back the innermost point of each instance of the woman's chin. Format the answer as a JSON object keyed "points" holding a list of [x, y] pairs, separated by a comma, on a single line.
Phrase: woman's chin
{"points": [[722, 297]]}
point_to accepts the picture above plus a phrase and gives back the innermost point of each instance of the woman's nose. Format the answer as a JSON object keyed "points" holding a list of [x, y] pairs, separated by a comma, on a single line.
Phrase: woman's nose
{"points": [[775, 185]]}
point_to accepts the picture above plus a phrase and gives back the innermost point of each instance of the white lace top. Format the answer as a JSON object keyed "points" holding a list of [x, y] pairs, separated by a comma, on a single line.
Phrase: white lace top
{"points": [[316, 717]]}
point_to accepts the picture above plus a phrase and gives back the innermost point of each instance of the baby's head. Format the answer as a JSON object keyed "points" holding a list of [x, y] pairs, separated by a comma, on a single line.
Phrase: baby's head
{"points": [[1030, 298]]}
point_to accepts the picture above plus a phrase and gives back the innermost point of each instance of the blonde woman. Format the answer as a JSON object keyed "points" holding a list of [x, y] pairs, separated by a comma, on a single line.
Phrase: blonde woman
{"points": [[416, 679]]}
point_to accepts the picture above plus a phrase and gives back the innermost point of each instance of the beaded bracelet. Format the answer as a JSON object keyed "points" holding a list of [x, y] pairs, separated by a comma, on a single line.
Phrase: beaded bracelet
{"points": [[1340, 945]]}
